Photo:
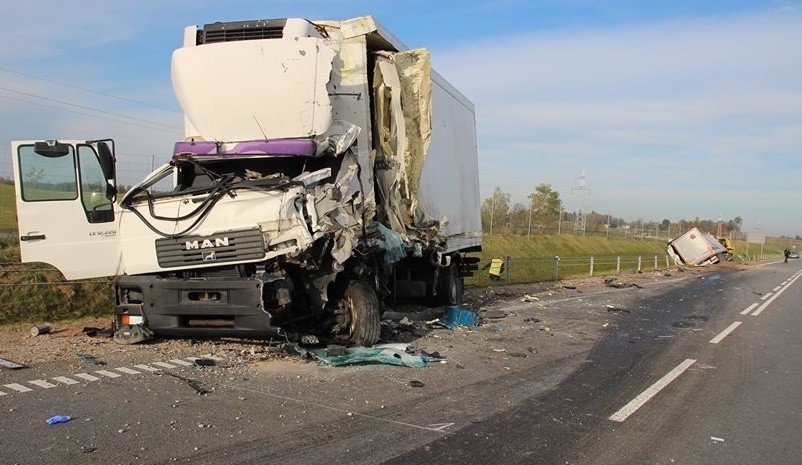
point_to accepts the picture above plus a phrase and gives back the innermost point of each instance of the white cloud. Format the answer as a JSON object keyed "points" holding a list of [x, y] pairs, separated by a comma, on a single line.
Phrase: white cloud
{"points": [[698, 103]]}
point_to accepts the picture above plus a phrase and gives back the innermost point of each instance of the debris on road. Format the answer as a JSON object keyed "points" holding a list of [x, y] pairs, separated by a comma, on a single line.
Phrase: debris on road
{"points": [[92, 331], [494, 313], [456, 316], [56, 419], [43, 328], [615, 283], [387, 354], [529, 298], [5, 363], [716, 439], [194, 384], [613, 308], [87, 358], [205, 362]]}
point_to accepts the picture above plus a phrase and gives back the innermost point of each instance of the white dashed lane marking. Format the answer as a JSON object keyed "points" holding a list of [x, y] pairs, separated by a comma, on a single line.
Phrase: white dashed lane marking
{"points": [[112, 373], [749, 308], [127, 371], [86, 376], [146, 368], [18, 387], [65, 380], [42, 384], [163, 365], [183, 363]]}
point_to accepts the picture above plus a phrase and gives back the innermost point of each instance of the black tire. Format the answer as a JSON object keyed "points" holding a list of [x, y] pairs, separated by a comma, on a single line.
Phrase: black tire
{"points": [[358, 315], [450, 287]]}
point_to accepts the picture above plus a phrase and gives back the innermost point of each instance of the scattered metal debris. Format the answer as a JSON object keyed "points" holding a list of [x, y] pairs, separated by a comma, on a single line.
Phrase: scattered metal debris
{"points": [[613, 308], [614, 282], [5, 363], [205, 362], [87, 358], [92, 331]]}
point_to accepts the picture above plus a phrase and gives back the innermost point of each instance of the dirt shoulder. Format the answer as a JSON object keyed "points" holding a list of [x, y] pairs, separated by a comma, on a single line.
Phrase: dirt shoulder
{"points": [[70, 341]]}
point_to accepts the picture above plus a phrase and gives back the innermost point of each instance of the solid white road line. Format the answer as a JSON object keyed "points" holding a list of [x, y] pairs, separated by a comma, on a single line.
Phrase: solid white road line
{"points": [[749, 308], [768, 302], [725, 333], [651, 391]]}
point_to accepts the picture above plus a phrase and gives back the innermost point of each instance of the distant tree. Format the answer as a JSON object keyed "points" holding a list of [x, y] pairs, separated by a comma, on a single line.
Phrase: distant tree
{"points": [[519, 220], [496, 211], [735, 224], [545, 205]]}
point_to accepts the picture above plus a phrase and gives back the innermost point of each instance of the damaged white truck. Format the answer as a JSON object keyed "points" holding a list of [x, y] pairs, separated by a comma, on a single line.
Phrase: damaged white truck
{"points": [[326, 170]]}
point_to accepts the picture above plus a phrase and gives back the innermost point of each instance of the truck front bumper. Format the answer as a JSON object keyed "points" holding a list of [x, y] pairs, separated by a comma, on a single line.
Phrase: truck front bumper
{"points": [[195, 307]]}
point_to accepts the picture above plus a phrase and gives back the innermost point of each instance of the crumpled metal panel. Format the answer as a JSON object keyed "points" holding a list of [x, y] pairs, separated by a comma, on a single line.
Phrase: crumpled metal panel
{"points": [[402, 95]]}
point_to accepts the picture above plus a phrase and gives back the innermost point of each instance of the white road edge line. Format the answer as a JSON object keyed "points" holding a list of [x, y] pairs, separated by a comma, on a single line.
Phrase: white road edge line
{"points": [[650, 392], [725, 333], [768, 302], [749, 308]]}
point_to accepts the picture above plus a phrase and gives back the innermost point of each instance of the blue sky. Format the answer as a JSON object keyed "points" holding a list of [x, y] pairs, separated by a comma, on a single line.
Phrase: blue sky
{"points": [[673, 109]]}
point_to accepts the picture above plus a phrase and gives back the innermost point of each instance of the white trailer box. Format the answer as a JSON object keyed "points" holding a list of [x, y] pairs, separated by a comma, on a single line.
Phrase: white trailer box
{"points": [[695, 248]]}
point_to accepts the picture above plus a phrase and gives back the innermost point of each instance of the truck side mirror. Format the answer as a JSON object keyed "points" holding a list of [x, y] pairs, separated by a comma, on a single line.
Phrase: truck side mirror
{"points": [[106, 159]]}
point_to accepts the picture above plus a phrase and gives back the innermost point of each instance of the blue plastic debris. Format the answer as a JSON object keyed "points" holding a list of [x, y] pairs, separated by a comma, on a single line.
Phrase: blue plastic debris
{"points": [[456, 316], [58, 419]]}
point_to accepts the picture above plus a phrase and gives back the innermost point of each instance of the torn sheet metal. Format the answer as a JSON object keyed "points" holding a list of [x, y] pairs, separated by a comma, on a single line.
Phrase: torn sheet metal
{"points": [[402, 94]]}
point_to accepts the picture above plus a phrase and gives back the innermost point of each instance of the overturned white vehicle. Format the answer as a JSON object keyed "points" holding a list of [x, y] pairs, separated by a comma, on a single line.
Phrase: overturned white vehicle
{"points": [[325, 169], [697, 248]]}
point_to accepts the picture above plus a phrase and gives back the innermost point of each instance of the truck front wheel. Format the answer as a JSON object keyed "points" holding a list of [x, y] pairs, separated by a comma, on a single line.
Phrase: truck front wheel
{"points": [[358, 315]]}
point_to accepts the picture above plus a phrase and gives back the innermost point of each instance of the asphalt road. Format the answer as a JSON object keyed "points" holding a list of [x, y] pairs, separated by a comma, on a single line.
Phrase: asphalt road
{"points": [[678, 372]]}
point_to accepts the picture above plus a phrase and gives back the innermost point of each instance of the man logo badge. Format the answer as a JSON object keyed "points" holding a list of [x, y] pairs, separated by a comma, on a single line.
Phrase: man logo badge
{"points": [[209, 256]]}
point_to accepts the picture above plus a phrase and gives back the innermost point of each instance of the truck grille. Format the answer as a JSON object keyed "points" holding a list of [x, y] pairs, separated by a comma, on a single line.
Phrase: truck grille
{"points": [[241, 30], [226, 246]]}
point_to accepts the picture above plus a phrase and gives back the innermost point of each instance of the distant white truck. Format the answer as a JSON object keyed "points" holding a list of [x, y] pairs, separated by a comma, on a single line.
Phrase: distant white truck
{"points": [[696, 248], [325, 168]]}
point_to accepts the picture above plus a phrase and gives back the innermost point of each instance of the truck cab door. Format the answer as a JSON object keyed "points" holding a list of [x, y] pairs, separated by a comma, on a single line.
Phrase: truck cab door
{"points": [[66, 210]]}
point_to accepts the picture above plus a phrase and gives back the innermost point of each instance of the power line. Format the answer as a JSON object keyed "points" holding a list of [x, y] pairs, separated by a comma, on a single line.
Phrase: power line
{"points": [[72, 86], [153, 125]]}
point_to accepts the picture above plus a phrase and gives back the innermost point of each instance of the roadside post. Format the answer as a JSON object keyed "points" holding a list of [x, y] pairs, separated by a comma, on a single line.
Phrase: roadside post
{"points": [[556, 267]]}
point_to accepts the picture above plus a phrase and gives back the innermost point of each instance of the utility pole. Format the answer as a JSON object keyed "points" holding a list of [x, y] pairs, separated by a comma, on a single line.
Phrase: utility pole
{"points": [[582, 189]]}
